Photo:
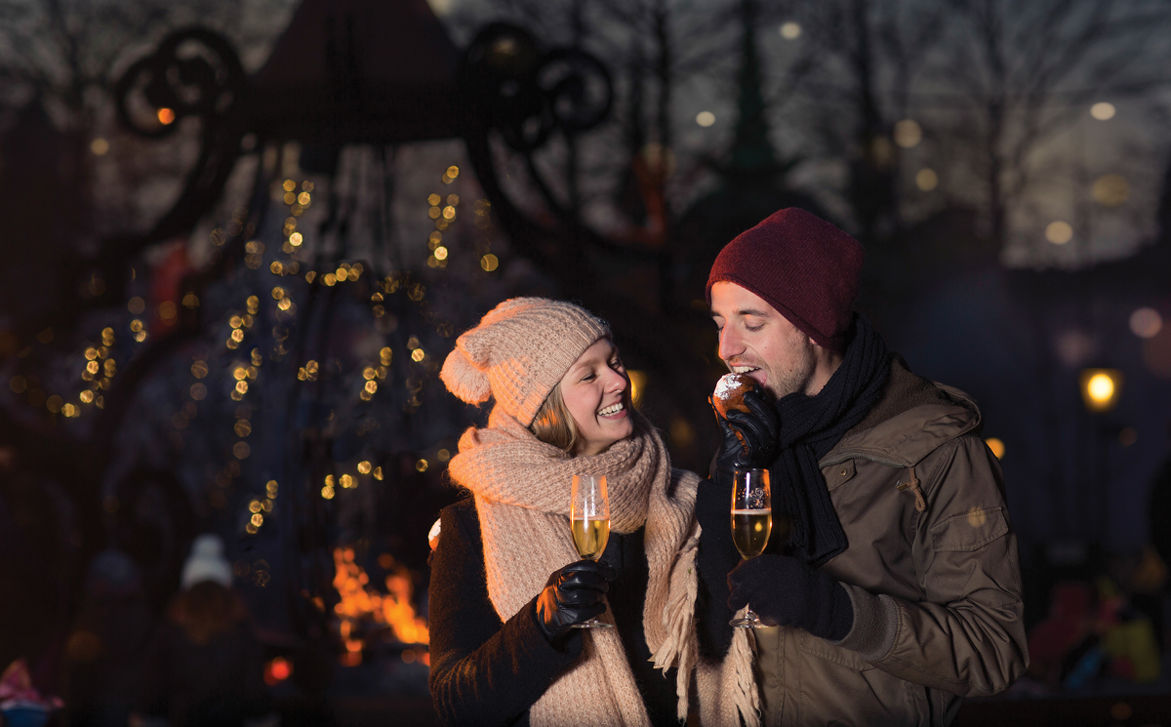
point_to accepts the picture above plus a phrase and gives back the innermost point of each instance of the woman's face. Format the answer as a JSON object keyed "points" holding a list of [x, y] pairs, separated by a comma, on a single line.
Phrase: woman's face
{"points": [[596, 392]]}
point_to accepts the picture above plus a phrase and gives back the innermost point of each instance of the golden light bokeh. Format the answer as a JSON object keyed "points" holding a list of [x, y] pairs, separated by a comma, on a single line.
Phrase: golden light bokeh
{"points": [[996, 445], [1103, 111], [1058, 232], [638, 381], [926, 179], [908, 133], [1111, 190], [1100, 388]]}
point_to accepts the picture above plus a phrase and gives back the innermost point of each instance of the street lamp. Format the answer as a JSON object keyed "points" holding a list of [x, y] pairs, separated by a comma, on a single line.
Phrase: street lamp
{"points": [[1100, 388]]}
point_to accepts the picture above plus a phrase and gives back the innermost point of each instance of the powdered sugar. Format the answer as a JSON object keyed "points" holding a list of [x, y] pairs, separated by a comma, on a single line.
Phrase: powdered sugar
{"points": [[726, 385]]}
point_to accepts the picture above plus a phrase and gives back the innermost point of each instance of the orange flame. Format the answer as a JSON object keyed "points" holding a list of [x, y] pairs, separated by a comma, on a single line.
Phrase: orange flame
{"points": [[359, 602]]}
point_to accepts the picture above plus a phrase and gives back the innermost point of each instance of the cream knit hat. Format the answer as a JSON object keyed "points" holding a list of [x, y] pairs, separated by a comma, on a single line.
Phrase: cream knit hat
{"points": [[518, 353], [206, 562]]}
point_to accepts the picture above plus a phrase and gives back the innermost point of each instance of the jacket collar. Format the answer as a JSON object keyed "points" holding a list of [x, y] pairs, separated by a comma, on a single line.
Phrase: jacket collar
{"points": [[913, 418]]}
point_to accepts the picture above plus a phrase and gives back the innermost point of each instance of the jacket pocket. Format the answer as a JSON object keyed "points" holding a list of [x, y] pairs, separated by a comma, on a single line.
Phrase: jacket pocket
{"points": [[969, 531], [823, 649], [835, 686]]}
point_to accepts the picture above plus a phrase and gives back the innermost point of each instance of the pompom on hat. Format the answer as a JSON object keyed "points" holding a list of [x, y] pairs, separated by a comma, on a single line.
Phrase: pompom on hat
{"points": [[804, 267], [518, 352], [206, 562]]}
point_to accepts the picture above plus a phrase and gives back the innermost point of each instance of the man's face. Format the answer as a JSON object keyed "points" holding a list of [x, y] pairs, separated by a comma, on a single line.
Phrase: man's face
{"points": [[757, 340]]}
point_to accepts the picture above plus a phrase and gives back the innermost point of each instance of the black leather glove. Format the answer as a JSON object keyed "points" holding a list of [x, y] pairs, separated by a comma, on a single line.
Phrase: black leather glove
{"points": [[571, 595], [784, 591], [749, 438]]}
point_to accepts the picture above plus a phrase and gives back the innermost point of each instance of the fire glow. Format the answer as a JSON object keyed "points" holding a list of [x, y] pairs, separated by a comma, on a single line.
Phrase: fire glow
{"points": [[361, 607]]}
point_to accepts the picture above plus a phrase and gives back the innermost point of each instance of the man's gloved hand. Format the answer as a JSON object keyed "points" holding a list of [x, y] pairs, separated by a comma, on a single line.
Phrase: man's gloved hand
{"points": [[749, 438], [784, 591], [571, 595]]}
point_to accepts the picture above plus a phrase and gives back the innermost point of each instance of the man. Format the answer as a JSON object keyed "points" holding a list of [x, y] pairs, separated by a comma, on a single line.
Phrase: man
{"points": [[897, 591]]}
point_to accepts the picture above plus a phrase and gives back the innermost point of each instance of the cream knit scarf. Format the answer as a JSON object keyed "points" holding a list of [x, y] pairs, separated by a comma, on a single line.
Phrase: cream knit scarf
{"points": [[521, 488]]}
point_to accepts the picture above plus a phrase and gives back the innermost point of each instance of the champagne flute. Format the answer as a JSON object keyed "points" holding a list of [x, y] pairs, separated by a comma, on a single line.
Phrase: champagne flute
{"points": [[752, 523], [589, 521]]}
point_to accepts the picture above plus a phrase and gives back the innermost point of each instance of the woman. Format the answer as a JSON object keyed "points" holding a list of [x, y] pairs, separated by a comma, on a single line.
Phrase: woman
{"points": [[506, 582]]}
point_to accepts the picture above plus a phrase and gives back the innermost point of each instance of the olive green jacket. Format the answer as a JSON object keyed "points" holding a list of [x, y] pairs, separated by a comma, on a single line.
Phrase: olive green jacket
{"points": [[931, 569]]}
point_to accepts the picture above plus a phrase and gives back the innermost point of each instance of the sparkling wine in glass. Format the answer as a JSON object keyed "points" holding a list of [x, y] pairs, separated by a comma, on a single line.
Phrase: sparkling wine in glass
{"points": [[589, 521], [752, 523]]}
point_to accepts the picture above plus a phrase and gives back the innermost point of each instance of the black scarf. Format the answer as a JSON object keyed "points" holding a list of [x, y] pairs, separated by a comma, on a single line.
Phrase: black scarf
{"points": [[810, 427]]}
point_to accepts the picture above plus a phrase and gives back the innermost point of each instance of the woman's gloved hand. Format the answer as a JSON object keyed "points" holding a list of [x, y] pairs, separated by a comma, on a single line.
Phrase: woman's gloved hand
{"points": [[785, 591], [572, 595], [749, 439]]}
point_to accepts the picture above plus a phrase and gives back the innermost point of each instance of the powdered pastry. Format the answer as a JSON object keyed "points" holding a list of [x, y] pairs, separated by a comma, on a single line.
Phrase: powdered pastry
{"points": [[729, 392]]}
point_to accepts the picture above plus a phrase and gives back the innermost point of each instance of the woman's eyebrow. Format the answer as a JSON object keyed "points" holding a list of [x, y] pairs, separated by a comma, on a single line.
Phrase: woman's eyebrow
{"points": [[584, 364]]}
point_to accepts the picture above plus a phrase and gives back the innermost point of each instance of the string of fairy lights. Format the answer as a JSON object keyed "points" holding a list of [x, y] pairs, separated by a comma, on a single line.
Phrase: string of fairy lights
{"points": [[224, 382], [250, 346], [442, 211]]}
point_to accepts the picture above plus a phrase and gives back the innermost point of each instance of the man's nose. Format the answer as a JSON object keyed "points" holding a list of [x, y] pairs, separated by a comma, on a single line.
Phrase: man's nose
{"points": [[729, 344]]}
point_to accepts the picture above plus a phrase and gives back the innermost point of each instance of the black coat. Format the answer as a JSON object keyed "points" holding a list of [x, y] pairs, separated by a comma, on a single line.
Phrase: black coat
{"points": [[485, 672]]}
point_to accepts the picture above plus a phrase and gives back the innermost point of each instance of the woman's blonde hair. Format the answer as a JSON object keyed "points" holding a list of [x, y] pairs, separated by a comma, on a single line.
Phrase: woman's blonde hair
{"points": [[554, 424]]}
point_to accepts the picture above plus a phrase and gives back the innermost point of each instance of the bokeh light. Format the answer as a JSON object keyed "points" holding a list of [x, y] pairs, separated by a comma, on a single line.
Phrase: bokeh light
{"points": [[1111, 190], [996, 445], [926, 179], [1146, 322], [1100, 388], [1059, 232], [1102, 111], [908, 133], [638, 381]]}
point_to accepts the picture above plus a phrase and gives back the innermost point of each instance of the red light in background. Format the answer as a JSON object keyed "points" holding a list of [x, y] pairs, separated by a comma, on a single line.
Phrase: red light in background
{"points": [[277, 670]]}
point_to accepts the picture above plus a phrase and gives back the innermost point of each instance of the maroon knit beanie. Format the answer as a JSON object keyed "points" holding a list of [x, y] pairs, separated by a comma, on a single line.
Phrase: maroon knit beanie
{"points": [[801, 265]]}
